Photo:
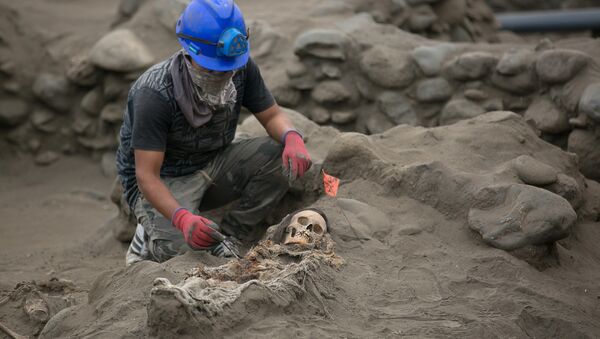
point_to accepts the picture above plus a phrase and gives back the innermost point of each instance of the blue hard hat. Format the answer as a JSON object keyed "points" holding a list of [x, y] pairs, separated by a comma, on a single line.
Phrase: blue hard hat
{"points": [[214, 34]]}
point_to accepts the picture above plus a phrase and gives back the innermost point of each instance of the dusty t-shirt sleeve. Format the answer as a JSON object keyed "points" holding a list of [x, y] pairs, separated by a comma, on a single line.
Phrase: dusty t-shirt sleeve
{"points": [[257, 96], [151, 121]]}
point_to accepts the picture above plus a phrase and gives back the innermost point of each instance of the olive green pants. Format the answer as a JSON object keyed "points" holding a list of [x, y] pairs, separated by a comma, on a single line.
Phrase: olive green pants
{"points": [[248, 172]]}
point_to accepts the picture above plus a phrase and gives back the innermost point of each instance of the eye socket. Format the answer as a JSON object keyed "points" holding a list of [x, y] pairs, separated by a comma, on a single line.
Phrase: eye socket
{"points": [[317, 229], [303, 221]]}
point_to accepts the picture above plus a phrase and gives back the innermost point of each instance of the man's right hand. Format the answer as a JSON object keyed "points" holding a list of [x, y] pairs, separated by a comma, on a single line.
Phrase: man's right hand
{"points": [[200, 233]]}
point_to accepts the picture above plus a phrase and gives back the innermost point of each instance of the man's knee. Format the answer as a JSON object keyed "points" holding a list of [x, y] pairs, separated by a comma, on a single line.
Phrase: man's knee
{"points": [[268, 152], [165, 249]]}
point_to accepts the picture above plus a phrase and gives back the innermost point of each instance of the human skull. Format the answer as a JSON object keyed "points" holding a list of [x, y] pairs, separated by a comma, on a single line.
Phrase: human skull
{"points": [[306, 227]]}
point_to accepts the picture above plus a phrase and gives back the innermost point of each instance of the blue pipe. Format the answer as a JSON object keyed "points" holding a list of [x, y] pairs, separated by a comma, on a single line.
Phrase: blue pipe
{"points": [[554, 20]]}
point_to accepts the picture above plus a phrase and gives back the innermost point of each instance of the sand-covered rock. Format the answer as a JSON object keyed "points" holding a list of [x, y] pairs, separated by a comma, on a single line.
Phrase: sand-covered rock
{"points": [[13, 112], [514, 216], [557, 66], [121, 51], [585, 143], [547, 117], [55, 91], [387, 68], [534, 172], [590, 102], [471, 66], [320, 43]]}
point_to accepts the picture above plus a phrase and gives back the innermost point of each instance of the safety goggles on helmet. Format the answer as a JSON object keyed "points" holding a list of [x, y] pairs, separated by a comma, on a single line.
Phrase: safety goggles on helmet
{"points": [[232, 43]]}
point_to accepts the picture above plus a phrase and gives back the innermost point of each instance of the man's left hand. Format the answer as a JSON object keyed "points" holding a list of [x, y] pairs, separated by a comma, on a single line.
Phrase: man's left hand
{"points": [[296, 160]]}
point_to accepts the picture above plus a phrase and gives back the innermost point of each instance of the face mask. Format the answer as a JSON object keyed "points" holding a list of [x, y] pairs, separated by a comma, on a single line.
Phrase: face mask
{"points": [[214, 88]]}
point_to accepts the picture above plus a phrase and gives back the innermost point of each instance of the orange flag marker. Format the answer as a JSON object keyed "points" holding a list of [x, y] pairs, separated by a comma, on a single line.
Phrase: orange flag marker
{"points": [[331, 184]]}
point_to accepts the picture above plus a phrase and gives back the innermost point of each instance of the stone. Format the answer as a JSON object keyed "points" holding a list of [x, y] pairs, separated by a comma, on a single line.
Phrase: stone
{"points": [[387, 67], [93, 101], [81, 71], [460, 34], [12, 87], [475, 95], [516, 103], [421, 18], [13, 112], [46, 158], [433, 90], [330, 71], [168, 12], [515, 61], [114, 87], [322, 43], [398, 108], [430, 58], [585, 143], [378, 123], [109, 164], [121, 51], [34, 145], [493, 105], [560, 65], [459, 109], [568, 188], [320, 115], [522, 83], [471, 66], [420, 2], [547, 117], [55, 91], [335, 7], [513, 216], [45, 121], [534, 172], [265, 38], [112, 113], [287, 96], [343, 118], [331, 92], [589, 103], [296, 69]]}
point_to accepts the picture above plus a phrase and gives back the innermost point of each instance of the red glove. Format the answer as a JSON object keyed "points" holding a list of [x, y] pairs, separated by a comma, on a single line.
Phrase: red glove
{"points": [[199, 232], [296, 160]]}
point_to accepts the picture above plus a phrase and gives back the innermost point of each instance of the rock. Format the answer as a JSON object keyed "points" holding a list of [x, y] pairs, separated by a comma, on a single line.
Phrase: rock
{"points": [[459, 109], [329, 71], [45, 121], [13, 112], [331, 92], [265, 38], [522, 83], [93, 101], [471, 66], [589, 103], [387, 67], [433, 90], [585, 144], [430, 58], [322, 43], [560, 65], [82, 123], [534, 172], [12, 87], [398, 108], [46, 158], [320, 115], [547, 117], [34, 145], [112, 113], [82, 72], [517, 103], [168, 12], [568, 188], [421, 18], [460, 34], [475, 95], [121, 51], [451, 12], [55, 91], [515, 61], [513, 216], [493, 105], [109, 165], [420, 2], [287, 96], [343, 118], [115, 87], [335, 7], [378, 123], [296, 69]]}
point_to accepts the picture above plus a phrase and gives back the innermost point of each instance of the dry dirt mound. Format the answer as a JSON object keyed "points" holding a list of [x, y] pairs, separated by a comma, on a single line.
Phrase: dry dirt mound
{"points": [[405, 223]]}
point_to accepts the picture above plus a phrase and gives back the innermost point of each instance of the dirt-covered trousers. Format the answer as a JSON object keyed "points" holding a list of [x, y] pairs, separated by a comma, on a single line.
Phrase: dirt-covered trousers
{"points": [[248, 172]]}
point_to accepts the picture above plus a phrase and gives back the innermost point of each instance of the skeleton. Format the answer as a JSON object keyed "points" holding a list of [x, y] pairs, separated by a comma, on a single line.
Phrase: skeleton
{"points": [[293, 265]]}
